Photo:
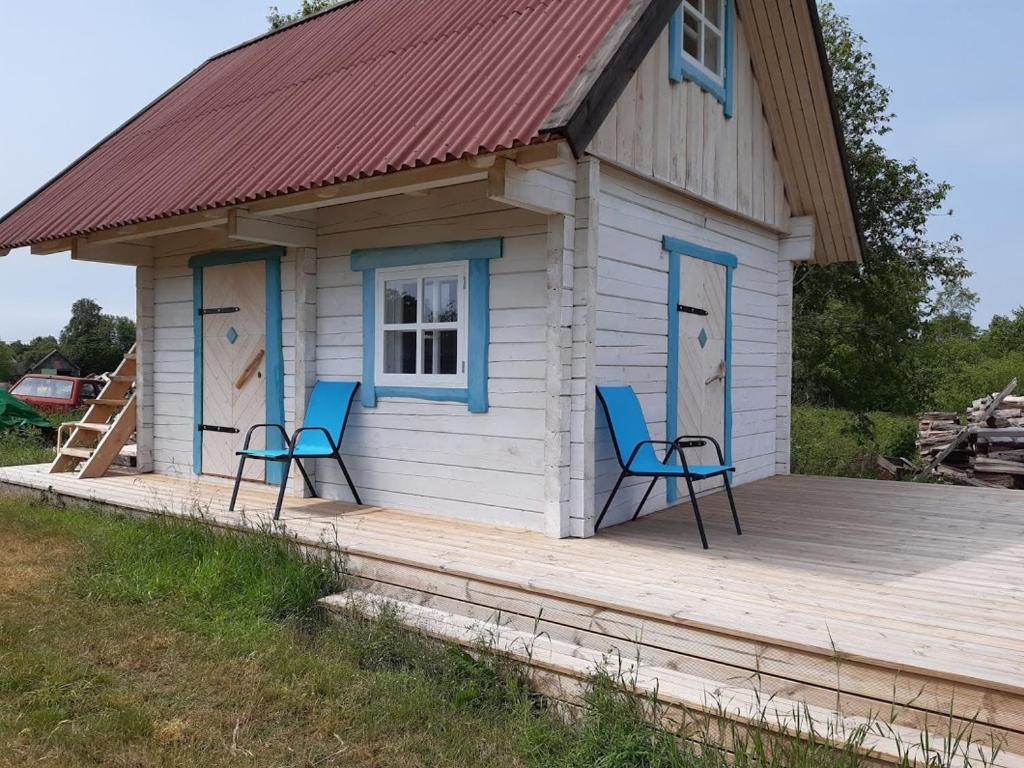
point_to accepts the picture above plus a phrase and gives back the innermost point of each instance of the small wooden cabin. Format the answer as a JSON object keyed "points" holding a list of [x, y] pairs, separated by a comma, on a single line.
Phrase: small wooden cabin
{"points": [[480, 209], [55, 363]]}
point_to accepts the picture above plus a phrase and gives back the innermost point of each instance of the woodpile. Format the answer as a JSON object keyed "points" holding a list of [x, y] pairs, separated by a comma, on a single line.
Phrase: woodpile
{"points": [[984, 447]]}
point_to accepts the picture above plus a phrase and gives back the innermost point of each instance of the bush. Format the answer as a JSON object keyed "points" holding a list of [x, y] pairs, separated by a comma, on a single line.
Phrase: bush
{"points": [[837, 443], [964, 384]]}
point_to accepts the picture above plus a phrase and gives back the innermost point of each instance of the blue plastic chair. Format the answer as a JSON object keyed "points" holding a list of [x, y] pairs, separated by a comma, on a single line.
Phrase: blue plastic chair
{"points": [[318, 438], [634, 449]]}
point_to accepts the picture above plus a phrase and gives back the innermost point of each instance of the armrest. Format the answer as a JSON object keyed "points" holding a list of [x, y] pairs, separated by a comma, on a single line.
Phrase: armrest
{"points": [[698, 441], [300, 430], [278, 427], [638, 446]]}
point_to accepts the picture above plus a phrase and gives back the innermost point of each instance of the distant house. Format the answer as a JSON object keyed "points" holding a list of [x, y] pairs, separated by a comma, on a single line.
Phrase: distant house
{"points": [[55, 364], [480, 210]]}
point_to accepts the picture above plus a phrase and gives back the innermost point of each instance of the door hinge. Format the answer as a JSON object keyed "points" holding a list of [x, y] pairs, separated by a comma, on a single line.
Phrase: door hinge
{"points": [[218, 310], [691, 310], [212, 428]]}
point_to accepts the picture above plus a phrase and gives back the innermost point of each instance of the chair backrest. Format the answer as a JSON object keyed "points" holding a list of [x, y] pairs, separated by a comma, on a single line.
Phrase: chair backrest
{"points": [[626, 421], [329, 406]]}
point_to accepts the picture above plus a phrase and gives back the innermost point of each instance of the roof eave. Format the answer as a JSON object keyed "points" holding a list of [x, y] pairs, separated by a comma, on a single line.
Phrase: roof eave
{"points": [[844, 157]]}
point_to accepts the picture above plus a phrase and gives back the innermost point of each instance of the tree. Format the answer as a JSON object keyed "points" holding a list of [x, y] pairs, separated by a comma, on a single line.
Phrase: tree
{"points": [[96, 341], [6, 362], [25, 355], [856, 327], [276, 19]]}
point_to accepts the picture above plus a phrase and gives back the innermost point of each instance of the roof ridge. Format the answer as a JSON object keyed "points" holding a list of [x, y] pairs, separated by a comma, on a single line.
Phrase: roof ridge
{"points": [[530, 6], [290, 25]]}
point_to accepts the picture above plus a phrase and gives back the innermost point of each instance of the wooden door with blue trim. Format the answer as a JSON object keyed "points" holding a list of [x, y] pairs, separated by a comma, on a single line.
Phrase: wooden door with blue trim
{"points": [[703, 368], [234, 317]]}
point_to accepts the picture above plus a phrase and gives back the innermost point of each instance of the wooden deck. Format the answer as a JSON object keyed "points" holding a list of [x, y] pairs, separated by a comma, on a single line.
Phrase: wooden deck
{"points": [[851, 595]]}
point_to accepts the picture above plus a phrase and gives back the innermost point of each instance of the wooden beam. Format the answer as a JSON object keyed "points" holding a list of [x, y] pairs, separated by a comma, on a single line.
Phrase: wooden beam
{"points": [[543, 155], [483, 161], [533, 190], [268, 230], [131, 254], [798, 245], [51, 246], [4, 252], [398, 183], [201, 220]]}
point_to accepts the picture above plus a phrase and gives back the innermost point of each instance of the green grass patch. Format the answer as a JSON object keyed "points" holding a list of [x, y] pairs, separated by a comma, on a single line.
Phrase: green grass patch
{"points": [[168, 642], [28, 446], [838, 443]]}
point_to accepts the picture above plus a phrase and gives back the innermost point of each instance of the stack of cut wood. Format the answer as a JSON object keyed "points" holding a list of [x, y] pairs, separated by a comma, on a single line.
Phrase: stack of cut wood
{"points": [[935, 432], [986, 448]]}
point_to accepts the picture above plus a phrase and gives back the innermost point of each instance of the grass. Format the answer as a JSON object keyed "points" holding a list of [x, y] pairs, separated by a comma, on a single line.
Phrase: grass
{"points": [[836, 443], [33, 446], [129, 642]]}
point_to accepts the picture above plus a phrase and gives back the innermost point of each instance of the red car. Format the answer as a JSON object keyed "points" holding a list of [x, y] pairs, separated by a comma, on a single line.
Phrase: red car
{"points": [[55, 393]]}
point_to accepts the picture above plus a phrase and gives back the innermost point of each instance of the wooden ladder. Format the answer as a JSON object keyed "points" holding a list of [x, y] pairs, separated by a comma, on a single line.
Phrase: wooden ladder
{"points": [[97, 440]]}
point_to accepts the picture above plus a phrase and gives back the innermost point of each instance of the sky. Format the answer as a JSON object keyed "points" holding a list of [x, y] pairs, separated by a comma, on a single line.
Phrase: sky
{"points": [[74, 71]]}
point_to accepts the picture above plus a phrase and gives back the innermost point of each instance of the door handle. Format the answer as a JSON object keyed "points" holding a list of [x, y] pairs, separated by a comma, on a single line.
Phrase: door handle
{"points": [[720, 376], [250, 370]]}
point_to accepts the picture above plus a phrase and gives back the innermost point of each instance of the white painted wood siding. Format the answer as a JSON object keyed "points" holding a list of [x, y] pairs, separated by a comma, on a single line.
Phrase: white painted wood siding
{"points": [[678, 134], [439, 457], [171, 395], [632, 323], [784, 371]]}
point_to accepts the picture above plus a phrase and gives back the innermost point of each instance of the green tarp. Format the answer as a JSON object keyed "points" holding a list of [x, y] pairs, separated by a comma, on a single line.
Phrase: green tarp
{"points": [[14, 414]]}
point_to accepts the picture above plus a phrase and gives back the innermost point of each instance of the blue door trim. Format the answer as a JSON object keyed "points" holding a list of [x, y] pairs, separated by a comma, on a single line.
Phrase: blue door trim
{"points": [[479, 254], [681, 69], [676, 249], [274, 347]]}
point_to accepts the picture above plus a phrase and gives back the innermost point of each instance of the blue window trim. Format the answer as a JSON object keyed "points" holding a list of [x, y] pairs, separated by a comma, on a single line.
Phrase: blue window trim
{"points": [[274, 347], [682, 69], [479, 254], [676, 249]]}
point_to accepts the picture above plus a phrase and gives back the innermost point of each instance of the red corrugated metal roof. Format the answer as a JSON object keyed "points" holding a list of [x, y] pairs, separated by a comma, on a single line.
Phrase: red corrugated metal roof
{"points": [[371, 87]]}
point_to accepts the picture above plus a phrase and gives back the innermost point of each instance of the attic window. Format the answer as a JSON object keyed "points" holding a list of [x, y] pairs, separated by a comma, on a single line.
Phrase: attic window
{"points": [[700, 38], [703, 29]]}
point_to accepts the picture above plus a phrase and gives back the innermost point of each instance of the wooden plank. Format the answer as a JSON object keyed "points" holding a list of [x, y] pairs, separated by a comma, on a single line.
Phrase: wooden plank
{"points": [[550, 153], [270, 230], [536, 191], [132, 254]]}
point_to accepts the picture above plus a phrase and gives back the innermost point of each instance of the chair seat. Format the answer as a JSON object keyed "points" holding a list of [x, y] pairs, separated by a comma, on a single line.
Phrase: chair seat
{"points": [[697, 471], [280, 454]]}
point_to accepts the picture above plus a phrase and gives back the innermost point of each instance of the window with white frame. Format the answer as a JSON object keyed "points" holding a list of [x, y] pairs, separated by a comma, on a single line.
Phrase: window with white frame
{"points": [[703, 36], [421, 328]]}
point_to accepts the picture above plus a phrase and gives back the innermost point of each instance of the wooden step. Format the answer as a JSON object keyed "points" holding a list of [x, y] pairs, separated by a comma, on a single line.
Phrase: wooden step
{"points": [[561, 669], [78, 453], [91, 426], [915, 700], [108, 402]]}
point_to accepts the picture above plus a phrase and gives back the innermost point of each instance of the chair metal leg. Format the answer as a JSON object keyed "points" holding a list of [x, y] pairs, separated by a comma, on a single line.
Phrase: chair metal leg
{"points": [[644, 499], [309, 483], [607, 504], [238, 482], [284, 484], [732, 504], [348, 477], [696, 512]]}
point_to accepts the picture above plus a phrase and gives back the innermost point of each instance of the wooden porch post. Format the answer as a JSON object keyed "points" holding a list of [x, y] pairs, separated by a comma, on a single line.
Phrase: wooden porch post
{"points": [[584, 321], [144, 338], [299, 323]]}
